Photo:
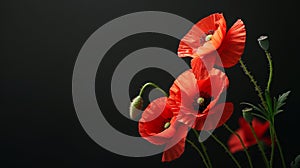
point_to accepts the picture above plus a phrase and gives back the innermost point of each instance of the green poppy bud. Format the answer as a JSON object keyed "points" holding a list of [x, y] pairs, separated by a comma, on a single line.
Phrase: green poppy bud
{"points": [[263, 42], [136, 106], [247, 114]]}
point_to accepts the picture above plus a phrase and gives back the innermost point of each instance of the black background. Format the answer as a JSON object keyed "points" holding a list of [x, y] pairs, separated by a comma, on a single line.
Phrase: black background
{"points": [[40, 41]]}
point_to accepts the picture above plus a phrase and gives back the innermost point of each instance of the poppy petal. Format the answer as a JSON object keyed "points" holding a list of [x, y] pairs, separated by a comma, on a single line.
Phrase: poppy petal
{"points": [[233, 45], [190, 45], [187, 117], [190, 42], [267, 141], [219, 81], [174, 152], [152, 122], [184, 89], [185, 82], [234, 144], [198, 67], [210, 22], [246, 135], [214, 22], [216, 117], [219, 33], [205, 86], [260, 128]]}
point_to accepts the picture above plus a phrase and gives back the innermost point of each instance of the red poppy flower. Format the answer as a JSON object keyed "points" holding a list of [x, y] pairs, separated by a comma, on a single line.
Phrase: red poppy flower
{"points": [[198, 99], [209, 40], [246, 135], [158, 125]]}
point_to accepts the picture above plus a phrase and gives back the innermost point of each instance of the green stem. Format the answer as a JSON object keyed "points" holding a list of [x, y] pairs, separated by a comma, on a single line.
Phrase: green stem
{"points": [[227, 150], [199, 152], [257, 88], [239, 137], [272, 144], [154, 85], [260, 147], [203, 148], [272, 128], [280, 150], [270, 71]]}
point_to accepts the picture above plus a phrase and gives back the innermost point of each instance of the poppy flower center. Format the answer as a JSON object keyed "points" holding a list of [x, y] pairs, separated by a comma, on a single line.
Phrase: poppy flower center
{"points": [[206, 37], [166, 124], [201, 102]]}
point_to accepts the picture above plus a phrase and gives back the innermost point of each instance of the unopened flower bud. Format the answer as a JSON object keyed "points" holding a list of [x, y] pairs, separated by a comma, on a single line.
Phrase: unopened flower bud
{"points": [[263, 42], [136, 106], [247, 114]]}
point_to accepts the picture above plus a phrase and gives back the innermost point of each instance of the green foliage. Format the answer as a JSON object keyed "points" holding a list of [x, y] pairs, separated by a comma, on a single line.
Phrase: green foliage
{"points": [[296, 163], [278, 103]]}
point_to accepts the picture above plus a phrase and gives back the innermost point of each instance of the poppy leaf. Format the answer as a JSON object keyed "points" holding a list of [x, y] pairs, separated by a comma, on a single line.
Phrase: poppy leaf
{"points": [[260, 116], [296, 163], [281, 101], [259, 109], [279, 111]]}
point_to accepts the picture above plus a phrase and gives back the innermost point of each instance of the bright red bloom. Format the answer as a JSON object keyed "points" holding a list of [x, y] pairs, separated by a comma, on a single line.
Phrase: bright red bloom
{"points": [[209, 35], [159, 126], [199, 98], [246, 135]]}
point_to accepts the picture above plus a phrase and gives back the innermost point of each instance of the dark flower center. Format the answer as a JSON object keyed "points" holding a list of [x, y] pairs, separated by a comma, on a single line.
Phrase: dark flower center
{"points": [[206, 37], [201, 102]]}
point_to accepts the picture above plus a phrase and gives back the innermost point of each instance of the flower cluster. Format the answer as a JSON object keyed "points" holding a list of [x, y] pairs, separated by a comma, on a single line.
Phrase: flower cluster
{"points": [[195, 101]]}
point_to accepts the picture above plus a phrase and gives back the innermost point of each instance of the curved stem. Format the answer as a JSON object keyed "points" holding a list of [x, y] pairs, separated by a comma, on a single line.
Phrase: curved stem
{"points": [[203, 148], [239, 137], [199, 152], [154, 85], [257, 88], [280, 150], [272, 144], [260, 147], [227, 150], [270, 70]]}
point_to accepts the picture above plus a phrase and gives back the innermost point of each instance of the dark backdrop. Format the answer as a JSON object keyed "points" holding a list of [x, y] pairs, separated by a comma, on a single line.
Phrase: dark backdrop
{"points": [[40, 41]]}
